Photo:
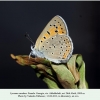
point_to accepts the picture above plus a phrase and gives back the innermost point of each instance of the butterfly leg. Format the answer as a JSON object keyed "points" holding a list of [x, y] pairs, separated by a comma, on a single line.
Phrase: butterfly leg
{"points": [[32, 48], [30, 54], [31, 51]]}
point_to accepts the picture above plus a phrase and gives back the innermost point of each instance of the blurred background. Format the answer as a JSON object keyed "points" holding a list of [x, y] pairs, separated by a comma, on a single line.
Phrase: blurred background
{"points": [[17, 18]]}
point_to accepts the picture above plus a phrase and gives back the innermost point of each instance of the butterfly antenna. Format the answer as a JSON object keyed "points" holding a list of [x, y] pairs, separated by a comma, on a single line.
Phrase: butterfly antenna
{"points": [[28, 37]]}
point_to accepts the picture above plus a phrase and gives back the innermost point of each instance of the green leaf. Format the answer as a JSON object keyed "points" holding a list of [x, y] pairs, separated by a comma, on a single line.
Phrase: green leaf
{"points": [[64, 76]]}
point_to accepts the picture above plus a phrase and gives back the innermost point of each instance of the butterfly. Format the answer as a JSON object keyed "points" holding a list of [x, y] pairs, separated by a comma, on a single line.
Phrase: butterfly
{"points": [[54, 42]]}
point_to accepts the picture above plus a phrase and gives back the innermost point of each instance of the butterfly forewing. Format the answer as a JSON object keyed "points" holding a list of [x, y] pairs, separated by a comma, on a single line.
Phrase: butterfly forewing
{"points": [[56, 26]]}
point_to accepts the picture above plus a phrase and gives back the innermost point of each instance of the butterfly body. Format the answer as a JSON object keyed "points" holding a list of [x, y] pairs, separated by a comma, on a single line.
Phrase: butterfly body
{"points": [[54, 42]]}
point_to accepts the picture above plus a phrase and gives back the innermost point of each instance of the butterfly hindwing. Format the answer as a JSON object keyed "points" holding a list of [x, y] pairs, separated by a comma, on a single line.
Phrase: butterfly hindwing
{"points": [[59, 47]]}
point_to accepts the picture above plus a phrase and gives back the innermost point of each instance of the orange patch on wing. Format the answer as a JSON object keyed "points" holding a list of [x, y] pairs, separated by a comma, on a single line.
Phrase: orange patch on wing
{"points": [[61, 30], [67, 52], [64, 56], [52, 33]]}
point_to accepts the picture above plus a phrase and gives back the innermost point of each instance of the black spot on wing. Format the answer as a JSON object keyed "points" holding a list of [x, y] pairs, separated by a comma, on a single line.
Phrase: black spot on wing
{"points": [[56, 31], [48, 32], [61, 28], [59, 41], [44, 37], [52, 38]]}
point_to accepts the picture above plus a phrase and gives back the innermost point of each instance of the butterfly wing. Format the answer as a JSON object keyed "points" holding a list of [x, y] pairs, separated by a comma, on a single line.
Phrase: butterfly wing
{"points": [[58, 49], [54, 42], [56, 25]]}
